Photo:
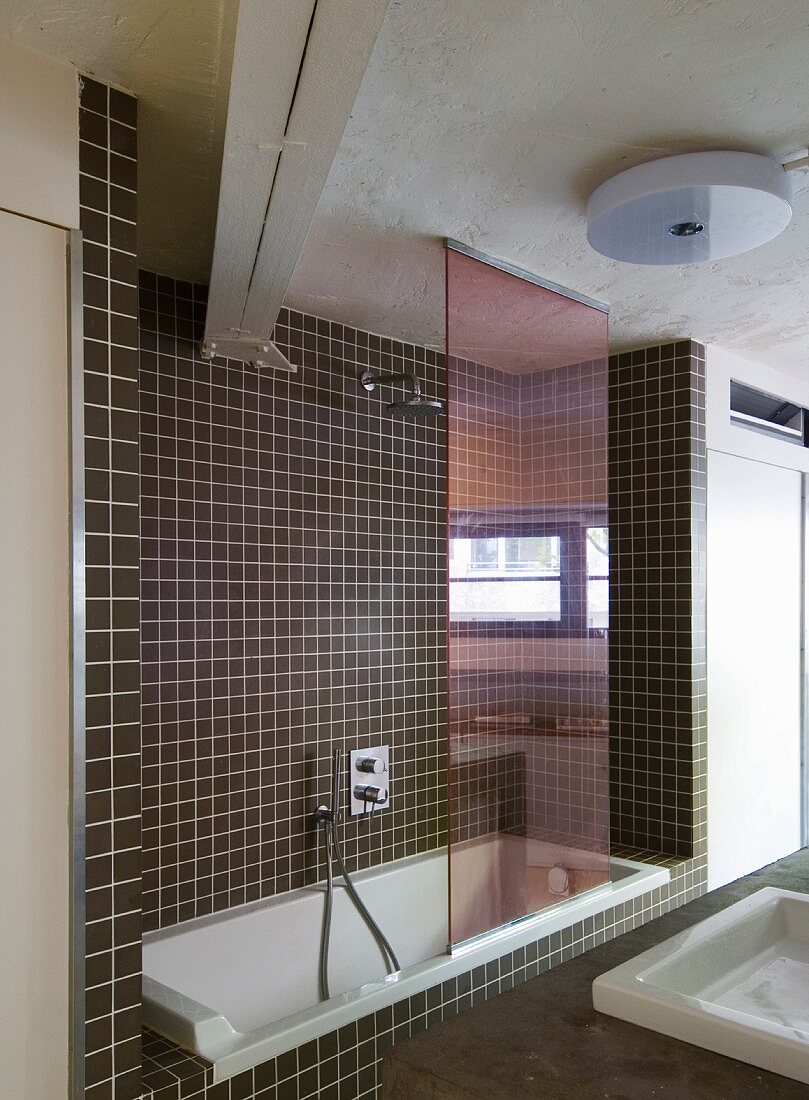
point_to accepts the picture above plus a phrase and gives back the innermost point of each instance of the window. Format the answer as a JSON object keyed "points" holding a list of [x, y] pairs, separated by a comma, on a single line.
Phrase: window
{"points": [[541, 580], [516, 578], [768, 415], [598, 569], [483, 554]]}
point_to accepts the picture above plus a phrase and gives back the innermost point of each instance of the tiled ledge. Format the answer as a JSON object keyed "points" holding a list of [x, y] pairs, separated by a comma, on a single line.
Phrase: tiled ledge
{"points": [[170, 1073], [643, 855]]}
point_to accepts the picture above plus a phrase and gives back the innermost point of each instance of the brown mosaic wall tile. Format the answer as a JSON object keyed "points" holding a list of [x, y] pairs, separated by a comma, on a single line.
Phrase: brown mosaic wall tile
{"points": [[108, 176], [657, 598], [292, 584], [346, 1064], [347, 438], [488, 794]]}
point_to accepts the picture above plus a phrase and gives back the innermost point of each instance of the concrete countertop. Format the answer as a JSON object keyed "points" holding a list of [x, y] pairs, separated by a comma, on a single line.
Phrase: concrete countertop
{"points": [[545, 1040]]}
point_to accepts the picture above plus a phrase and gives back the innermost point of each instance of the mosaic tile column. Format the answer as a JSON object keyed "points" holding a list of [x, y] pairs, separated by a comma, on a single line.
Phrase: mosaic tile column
{"points": [[657, 598], [108, 181]]}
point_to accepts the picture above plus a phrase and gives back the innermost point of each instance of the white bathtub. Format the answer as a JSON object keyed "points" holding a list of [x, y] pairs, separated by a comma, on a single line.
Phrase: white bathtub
{"points": [[241, 987], [736, 983]]}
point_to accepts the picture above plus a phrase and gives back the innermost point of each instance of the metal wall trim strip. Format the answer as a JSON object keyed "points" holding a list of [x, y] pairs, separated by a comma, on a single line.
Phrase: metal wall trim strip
{"points": [[78, 659], [521, 273]]}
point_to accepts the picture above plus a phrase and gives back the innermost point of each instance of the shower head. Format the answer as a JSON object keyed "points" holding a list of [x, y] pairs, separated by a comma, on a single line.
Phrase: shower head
{"points": [[414, 407], [417, 407]]}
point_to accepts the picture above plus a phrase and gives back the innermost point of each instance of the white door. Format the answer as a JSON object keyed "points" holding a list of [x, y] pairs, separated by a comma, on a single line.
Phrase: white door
{"points": [[754, 594], [34, 661]]}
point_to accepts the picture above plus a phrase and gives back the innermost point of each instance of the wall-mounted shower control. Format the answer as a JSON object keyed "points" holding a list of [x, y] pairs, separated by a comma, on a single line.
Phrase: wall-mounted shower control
{"points": [[369, 780], [368, 793], [373, 765]]}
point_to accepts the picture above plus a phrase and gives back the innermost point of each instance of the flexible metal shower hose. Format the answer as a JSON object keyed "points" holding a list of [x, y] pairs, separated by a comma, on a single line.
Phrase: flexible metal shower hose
{"points": [[333, 850], [325, 934]]}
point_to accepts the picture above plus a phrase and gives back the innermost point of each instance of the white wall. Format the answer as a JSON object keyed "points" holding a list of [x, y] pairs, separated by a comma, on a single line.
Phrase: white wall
{"points": [[39, 136], [754, 601], [38, 180], [34, 661]]}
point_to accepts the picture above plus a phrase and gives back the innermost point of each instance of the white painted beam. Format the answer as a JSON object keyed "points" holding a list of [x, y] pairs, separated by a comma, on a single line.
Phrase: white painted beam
{"points": [[270, 43], [292, 93]]}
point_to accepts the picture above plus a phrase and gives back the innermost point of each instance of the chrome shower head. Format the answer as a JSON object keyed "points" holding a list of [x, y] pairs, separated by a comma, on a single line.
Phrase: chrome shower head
{"points": [[417, 407]]}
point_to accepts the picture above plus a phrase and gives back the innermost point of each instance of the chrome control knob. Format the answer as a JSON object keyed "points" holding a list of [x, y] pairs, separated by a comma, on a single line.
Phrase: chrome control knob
{"points": [[370, 764], [376, 796]]}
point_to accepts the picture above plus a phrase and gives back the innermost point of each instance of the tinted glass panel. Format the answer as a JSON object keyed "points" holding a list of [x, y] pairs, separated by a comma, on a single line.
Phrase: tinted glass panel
{"points": [[528, 573]]}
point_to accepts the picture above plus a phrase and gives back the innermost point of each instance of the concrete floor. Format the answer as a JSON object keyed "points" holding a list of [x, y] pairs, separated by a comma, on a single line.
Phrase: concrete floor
{"points": [[544, 1039]]}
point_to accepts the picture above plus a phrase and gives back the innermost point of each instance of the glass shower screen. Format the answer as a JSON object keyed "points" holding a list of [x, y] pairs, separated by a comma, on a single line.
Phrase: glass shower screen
{"points": [[528, 569]]}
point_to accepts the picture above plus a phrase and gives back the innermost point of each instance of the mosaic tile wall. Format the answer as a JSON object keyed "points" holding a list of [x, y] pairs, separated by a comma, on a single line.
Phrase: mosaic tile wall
{"points": [[327, 461], [108, 181], [657, 598], [292, 585], [347, 1064], [488, 792]]}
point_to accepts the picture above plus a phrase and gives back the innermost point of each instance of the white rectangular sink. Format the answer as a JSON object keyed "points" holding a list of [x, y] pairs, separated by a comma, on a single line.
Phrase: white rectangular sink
{"points": [[736, 983]]}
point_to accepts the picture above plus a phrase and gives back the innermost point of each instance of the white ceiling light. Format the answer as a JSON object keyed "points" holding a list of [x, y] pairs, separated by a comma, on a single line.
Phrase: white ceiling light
{"points": [[686, 209]]}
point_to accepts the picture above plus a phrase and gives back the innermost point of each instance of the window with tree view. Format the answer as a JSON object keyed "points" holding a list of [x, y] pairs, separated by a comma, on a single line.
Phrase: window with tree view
{"points": [[555, 579], [506, 579]]}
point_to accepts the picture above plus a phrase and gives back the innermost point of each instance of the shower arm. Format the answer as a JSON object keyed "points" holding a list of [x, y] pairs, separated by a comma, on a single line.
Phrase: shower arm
{"points": [[370, 380]]}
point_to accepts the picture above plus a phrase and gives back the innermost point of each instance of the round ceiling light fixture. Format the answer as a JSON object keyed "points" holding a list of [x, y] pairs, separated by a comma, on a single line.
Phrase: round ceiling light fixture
{"points": [[690, 208]]}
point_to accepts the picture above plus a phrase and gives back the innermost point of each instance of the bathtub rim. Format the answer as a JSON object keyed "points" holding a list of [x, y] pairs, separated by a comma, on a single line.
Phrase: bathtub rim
{"points": [[232, 1052]]}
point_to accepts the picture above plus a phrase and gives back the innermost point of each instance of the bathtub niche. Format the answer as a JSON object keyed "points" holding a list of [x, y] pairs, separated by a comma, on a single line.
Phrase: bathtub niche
{"points": [[241, 987]]}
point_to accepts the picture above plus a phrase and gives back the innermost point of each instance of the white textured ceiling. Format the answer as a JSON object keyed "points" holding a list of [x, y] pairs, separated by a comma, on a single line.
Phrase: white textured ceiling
{"points": [[489, 121], [493, 122], [175, 56]]}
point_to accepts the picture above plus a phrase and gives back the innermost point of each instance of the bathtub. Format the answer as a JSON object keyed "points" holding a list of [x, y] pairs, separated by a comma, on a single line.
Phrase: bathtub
{"points": [[736, 983], [241, 987]]}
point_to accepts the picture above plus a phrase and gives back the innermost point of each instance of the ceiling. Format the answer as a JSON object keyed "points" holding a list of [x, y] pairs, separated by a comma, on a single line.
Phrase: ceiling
{"points": [[490, 123], [514, 325], [175, 56]]}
